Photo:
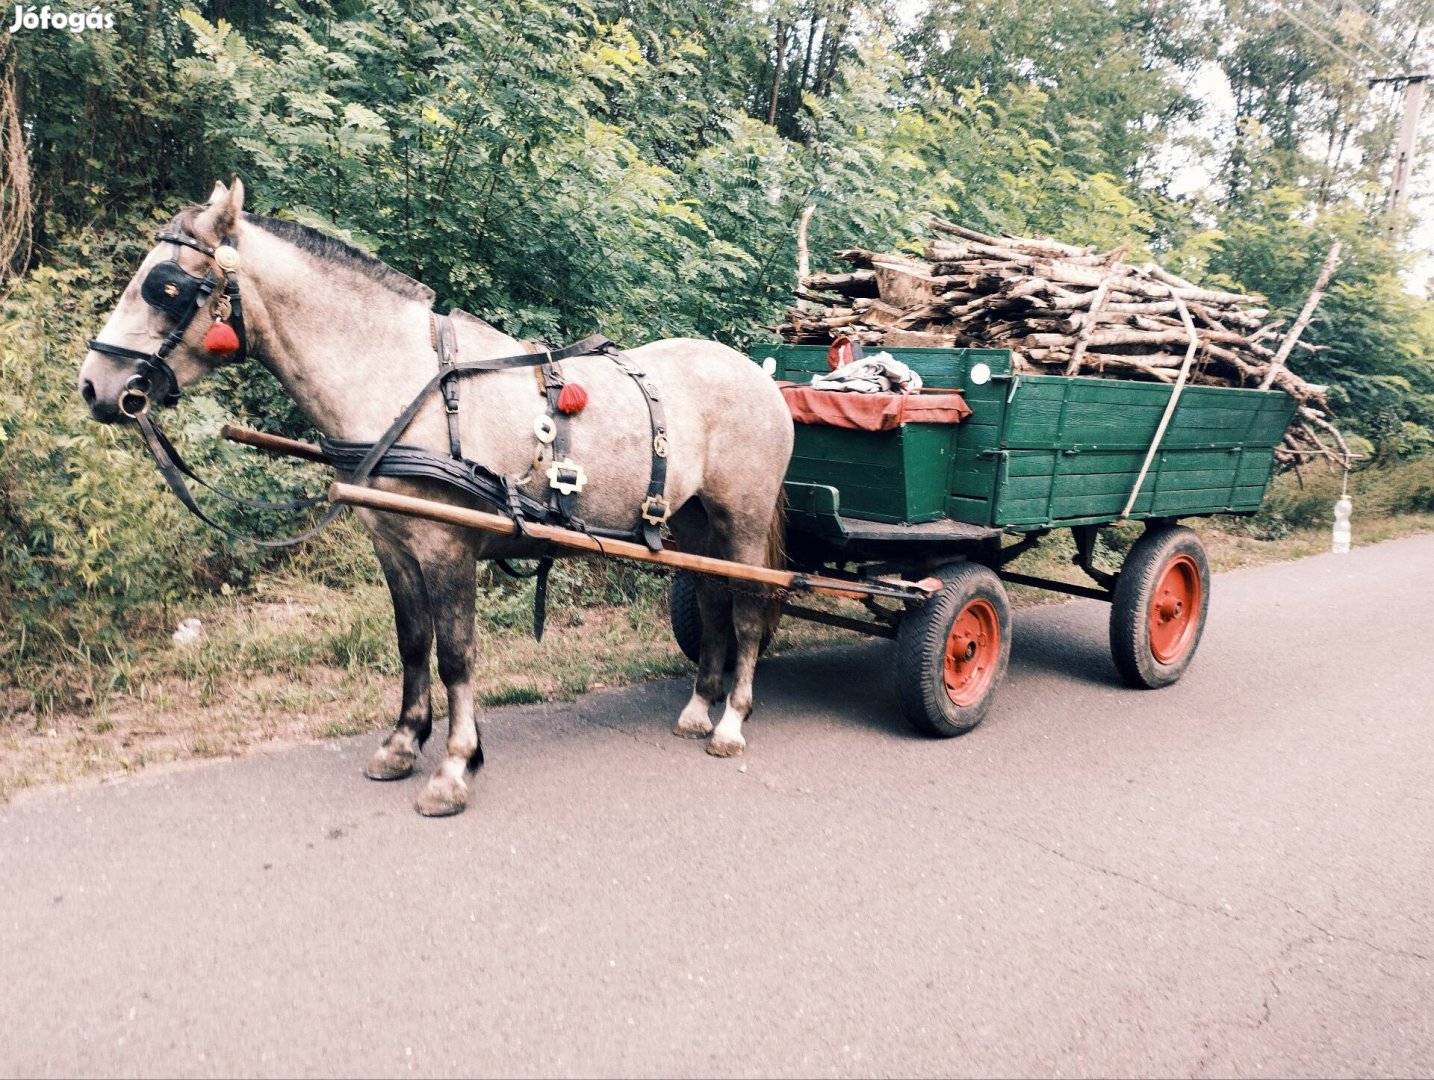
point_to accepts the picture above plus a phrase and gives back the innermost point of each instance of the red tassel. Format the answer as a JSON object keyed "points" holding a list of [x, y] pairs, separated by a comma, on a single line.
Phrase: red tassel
{"points": [[573, 399], [221, 339]]}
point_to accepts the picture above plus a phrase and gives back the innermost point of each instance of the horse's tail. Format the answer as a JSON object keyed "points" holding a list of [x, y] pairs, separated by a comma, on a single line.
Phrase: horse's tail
{"points": [[776, 556]]}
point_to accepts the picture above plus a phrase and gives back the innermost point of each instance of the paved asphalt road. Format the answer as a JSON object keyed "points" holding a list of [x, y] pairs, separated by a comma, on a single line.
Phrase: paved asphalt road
{"points": [[1228, 877]]}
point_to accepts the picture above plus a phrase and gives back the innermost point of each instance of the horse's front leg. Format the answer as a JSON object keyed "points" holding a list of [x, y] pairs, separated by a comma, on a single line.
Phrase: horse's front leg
{"points": [[413, 620], [452, 587]]}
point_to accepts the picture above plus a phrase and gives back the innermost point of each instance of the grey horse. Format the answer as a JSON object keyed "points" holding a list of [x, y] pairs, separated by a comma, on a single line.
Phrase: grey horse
{"points": [[349, 339]]}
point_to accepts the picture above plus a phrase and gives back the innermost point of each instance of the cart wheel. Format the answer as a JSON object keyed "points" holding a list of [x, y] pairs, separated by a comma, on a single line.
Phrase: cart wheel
{"points": [[1158, 612], [952, 651], [687, 621]]}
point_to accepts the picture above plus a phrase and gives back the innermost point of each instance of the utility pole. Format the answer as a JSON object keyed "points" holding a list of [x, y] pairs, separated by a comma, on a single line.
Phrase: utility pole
{"points": [[1414, 86]]}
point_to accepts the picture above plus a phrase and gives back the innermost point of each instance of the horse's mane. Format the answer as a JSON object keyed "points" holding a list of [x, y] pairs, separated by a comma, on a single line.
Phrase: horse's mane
{"points": [[329, 249]]}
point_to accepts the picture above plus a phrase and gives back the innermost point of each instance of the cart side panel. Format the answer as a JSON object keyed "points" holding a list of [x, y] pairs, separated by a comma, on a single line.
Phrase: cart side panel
{"points": [[902, 476], [1053, 487], [1050, 411]]}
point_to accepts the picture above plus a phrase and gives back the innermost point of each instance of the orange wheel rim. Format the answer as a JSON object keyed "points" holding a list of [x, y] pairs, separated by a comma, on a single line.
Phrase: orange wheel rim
{"points": [[972, 649], [1175, 609]]}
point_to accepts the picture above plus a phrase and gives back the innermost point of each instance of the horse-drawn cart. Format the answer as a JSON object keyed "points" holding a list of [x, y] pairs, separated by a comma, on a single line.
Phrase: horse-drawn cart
{"points": [[906, 512], [960, 502]]}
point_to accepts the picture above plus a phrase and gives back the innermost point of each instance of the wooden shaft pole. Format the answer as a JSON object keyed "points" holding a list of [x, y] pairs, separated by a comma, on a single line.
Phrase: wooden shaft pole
{"points": [[274, 444], [374, 499]]}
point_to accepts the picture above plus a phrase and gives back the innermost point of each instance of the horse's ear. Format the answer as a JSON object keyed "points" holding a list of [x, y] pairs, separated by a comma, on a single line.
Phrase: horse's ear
{"points": [[222, 213]]}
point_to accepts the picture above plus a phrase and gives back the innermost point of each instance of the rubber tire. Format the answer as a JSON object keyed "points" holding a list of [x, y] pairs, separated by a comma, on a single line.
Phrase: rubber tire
{"points": [[1134, 593], [686, 621], [921, 651]]}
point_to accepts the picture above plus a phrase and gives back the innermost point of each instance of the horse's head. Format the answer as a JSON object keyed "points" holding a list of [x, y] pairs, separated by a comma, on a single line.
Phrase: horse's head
{"points": [[163, 334]]}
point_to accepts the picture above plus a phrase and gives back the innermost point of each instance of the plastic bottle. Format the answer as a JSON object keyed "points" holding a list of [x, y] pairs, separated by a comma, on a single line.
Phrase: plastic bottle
{"points": [[1341, 525]]}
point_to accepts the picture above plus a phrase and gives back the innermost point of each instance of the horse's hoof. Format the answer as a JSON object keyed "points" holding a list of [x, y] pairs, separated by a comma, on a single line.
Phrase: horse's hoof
{"points": [[442, 797], [695, 721], [390, 764], [692, 727], [724, 745]]}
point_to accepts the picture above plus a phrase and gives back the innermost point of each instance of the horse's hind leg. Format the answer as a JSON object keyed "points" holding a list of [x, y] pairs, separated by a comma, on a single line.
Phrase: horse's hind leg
{"points": [[742, 537], [714, 604], [749, 618], [398, 754], [452, 586]]}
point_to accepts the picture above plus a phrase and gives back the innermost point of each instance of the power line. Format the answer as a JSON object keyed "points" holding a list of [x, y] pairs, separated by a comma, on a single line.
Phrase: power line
{"points": [[1357, 37], [1289, 13], [1379, 21]]}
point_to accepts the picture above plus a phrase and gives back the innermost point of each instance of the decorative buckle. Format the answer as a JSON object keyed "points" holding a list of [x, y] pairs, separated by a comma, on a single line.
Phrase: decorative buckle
{"points": [[567, 477], [545, 429], [227, 258], [655, 510], [659, 444]]}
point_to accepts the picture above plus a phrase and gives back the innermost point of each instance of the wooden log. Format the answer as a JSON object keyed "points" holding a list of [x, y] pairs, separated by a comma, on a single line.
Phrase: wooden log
{"points": [[804, 262], [1097, 302], [858, 257], [880, 313], [946, 251], [814, 300], [856, 283], [941, 225], [903, 283], [1326, 272], [918, 339]]}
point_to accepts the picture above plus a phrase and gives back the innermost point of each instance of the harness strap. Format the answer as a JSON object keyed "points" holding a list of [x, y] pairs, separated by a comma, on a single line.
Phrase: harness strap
{"points": [[655, 509], [445, 342], [305, 503], [565, 503], [236, 306], [540, 596]]}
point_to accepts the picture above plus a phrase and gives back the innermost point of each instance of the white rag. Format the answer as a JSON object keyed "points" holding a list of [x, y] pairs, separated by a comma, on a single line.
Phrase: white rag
{"points": [[879, 373]]}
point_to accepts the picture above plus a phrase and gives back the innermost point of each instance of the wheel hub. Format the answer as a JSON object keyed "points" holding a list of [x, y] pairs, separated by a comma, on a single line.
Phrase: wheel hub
{"points": [[1174, 609], [972, 650]]}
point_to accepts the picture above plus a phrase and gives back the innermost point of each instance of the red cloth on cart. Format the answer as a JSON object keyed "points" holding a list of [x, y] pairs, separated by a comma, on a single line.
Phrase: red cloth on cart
{"points": [[872, 412]]}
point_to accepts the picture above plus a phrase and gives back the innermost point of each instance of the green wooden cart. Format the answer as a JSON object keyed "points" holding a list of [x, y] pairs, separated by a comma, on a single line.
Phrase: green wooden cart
{"points": [[961, 501]]}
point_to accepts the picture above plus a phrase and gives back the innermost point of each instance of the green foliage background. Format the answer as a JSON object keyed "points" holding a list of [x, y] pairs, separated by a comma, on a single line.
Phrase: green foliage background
{"points": [[638, 166]]}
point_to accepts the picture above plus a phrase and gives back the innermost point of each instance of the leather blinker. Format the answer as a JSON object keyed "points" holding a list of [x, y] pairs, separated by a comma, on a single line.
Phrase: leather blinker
{"points": [[171, 289]]}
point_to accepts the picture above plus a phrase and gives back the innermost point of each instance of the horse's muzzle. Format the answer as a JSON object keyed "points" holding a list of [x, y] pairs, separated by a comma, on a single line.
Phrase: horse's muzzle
{"points": [[106, 412]]}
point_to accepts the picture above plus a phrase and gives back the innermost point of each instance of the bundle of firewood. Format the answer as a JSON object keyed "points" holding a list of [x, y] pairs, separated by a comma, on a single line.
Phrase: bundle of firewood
{"points": [[1066, 310]]}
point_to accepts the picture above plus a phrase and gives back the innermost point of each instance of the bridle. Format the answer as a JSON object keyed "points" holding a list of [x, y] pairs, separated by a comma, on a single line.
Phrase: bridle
{"points": [[174, 291]]}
